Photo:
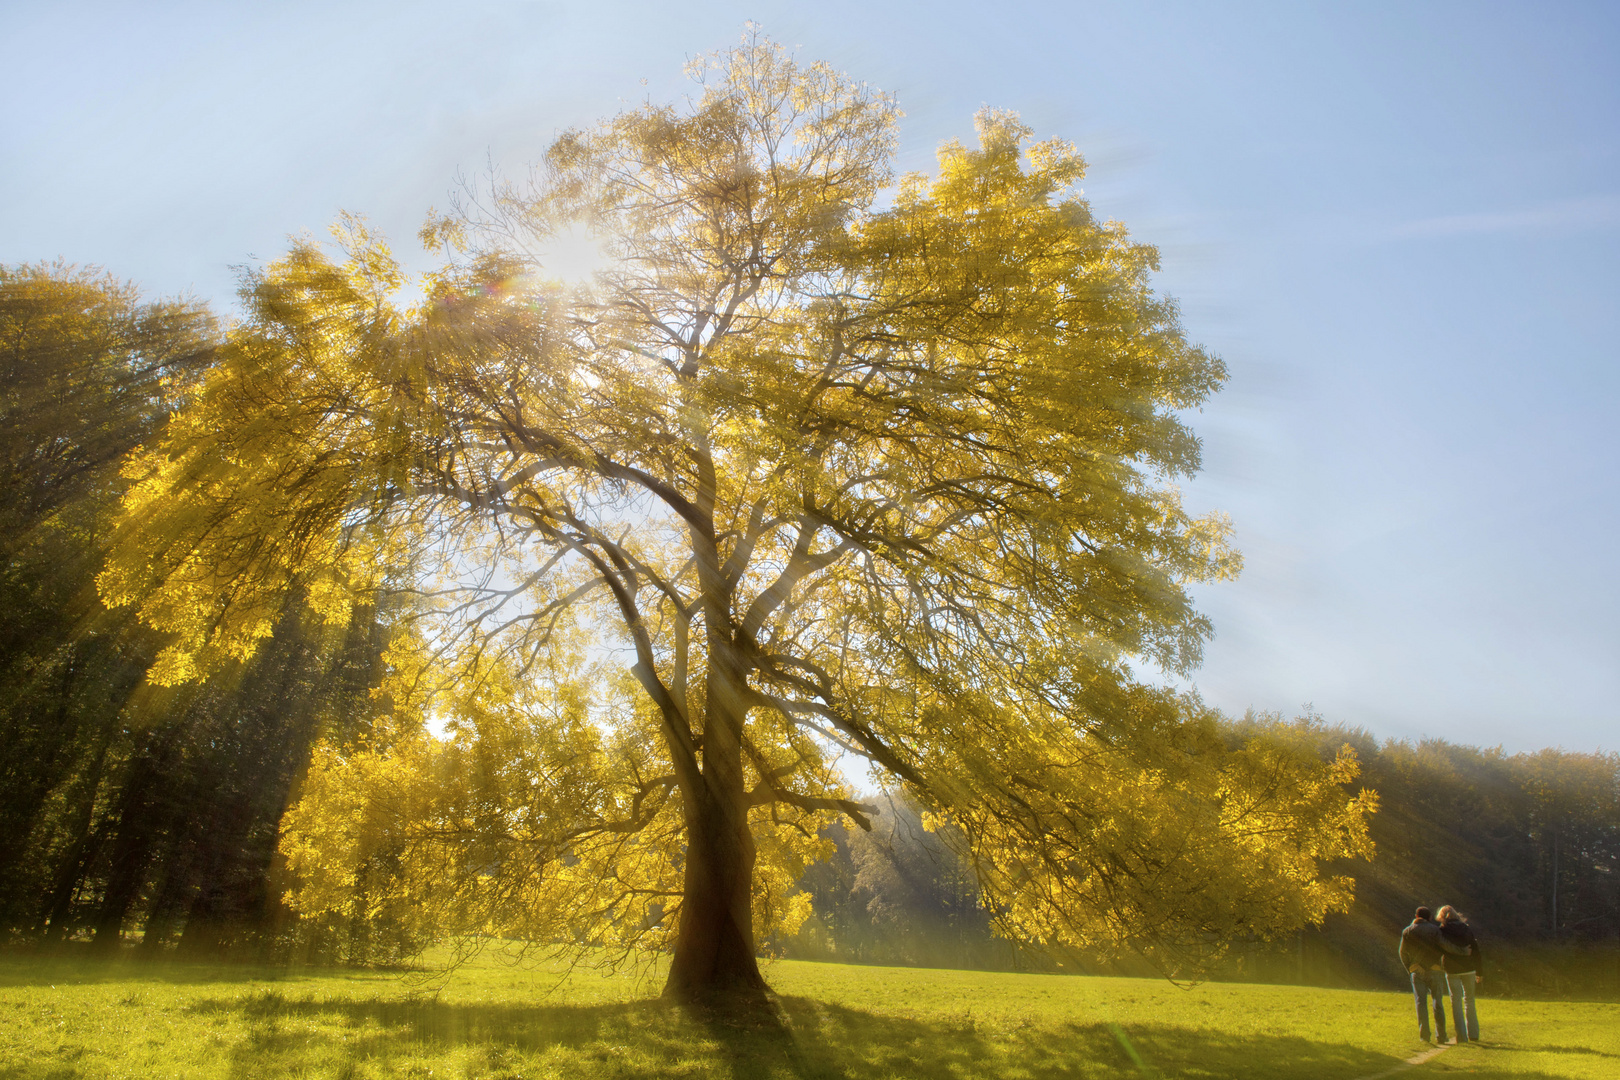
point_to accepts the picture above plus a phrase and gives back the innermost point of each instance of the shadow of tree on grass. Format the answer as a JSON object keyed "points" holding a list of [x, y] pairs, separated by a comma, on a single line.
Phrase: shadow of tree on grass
{"points": [[21, 969], [387, 1038]]}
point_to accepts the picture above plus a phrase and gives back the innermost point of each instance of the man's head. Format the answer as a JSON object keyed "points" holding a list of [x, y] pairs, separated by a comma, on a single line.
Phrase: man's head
{"points": [[1423, 914]]}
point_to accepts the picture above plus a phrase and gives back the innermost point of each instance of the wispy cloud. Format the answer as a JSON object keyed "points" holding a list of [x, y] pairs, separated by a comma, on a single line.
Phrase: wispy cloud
{"points": [[1566, 215]]}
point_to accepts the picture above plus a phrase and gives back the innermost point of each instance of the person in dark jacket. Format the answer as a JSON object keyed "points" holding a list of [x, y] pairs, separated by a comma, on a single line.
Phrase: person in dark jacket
{"points": [[1462, 971], [1422, 956]]}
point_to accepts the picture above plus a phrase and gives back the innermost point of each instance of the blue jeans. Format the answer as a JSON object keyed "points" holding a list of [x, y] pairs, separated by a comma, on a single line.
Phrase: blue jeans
{"points": [[1424, 985], [1462, 990]]}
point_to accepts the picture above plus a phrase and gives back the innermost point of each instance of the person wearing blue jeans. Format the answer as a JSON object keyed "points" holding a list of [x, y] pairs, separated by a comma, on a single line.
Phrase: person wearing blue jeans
{"points": [[1427, 985], [1422, 952], [1462, 972]]}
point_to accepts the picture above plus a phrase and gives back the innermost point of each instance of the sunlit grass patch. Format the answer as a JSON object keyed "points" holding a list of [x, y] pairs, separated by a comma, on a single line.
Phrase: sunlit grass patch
{"points": [[492, 1020]]}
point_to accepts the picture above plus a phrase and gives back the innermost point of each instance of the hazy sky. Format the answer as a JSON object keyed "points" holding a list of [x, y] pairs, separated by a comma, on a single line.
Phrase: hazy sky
{"points": [[1399, 224]]}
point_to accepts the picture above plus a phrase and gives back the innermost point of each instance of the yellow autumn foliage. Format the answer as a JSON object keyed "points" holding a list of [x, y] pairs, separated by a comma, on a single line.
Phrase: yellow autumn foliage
{"points": [[529, 819], [826, 475]]}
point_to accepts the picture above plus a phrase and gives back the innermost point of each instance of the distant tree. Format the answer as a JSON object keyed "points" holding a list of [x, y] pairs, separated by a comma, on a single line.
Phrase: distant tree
{"points": [[1574, 814], [189, 828], [898, 894], [87, 373], [917, 890], [842, 476], [1507, 838], [120, 803]]}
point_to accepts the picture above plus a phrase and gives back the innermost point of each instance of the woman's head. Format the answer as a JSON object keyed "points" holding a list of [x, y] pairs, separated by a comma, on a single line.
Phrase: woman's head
{"points": [[1451, 914]]}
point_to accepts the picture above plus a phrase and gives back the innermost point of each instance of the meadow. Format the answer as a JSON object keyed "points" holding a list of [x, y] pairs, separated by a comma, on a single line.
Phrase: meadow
{"points": [[493, 1019]]}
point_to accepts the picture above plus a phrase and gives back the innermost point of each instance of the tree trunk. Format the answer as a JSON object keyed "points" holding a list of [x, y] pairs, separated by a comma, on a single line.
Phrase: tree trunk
{"points": [[58, 908], [714, 941], [143, 814], [132, 854], [87, 843]]}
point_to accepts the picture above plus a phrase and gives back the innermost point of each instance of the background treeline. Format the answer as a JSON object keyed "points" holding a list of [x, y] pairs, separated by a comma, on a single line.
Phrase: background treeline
{"points": [[122, 805], [1527, 845], [130, 812]]}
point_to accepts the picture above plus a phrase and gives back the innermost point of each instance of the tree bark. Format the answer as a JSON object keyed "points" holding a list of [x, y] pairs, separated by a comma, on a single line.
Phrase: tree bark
{"points": [[714, 940]]}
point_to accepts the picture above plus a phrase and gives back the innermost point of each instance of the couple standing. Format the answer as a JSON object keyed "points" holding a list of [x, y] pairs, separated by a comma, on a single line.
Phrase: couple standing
{"points": [[1443, 959]]}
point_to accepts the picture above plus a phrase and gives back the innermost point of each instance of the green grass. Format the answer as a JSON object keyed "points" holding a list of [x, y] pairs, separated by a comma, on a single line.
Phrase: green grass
{"points": [[61, 1019]]}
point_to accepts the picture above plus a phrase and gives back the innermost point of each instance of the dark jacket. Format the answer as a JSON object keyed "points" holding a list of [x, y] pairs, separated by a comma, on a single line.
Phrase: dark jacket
{"points": [[1460, 934], [1420, 945]]}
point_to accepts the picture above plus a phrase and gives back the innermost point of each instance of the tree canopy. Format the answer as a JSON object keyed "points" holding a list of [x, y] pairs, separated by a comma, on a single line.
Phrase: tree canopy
{"points": [[838, 466]]}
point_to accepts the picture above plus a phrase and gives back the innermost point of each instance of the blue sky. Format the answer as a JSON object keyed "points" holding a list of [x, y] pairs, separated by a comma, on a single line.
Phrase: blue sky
{"points": [[1398, 223]]}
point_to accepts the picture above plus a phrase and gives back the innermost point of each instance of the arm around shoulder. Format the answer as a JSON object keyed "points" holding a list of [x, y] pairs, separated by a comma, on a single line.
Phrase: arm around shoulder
{"points": [[1458, 945]]}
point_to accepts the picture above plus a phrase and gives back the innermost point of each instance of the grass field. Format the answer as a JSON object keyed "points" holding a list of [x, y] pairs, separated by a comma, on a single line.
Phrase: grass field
{"points": [[494, 1020]]}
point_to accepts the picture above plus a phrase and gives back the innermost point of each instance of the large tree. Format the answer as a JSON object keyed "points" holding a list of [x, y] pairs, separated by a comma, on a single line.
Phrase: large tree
{"points": [[840, 467]]}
